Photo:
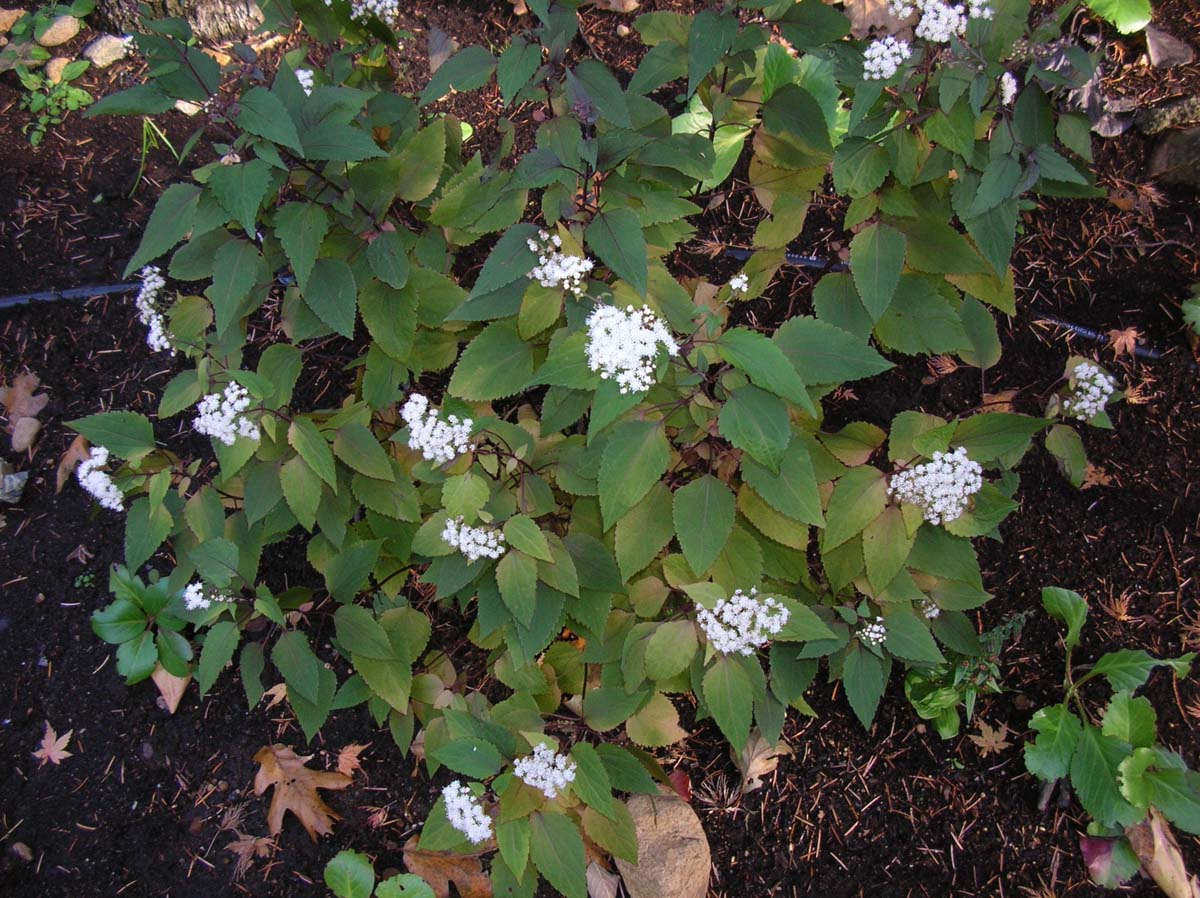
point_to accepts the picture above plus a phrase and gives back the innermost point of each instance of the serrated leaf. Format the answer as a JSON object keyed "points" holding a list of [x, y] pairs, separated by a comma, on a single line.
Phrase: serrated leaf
{"points": [[497, 363], [876, 260], [616, 237], [729, 695], [757, 422], [301, 227], [766, 364], [635, 457]]}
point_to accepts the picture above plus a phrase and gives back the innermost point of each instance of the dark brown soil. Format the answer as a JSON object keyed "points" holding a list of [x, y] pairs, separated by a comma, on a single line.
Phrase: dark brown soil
{"points": [[146, 805]]}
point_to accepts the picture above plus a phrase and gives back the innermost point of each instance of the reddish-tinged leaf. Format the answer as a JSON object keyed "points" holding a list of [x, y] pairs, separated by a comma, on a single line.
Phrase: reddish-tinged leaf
{"points": [[991, 740], [347, 761], [440, 868], [681, 783], [53, 747], [1124, 342]]}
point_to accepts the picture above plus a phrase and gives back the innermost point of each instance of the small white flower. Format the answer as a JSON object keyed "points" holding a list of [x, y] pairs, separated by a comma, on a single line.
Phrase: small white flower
{"points": [[305, 77], [546, 770], [930, 608], [466, 814], [437, 440], [1008, 88], [222, 418], [197, 598], [556, 269], [902, 9], [385, 10], [872, 634], [882, 58], [473, 542], [742, 623], [98, 483], [622, 345], [739, 283], [146, 304], [980, 9], [941, 21], [942, 487], [1093, 388]]}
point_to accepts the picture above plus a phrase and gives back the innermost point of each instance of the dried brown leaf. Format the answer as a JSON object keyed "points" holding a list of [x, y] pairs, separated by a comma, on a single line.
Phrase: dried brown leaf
{"points": [[76, 452], [1123, 342], [991, 740], [1155, 845], [999, 402], [24, 432], [170, 687], [247, 848], [1095, 476], [347, 761], [601, 883], [19, 400], [942, 365], [53, 748], [757, 759], [439, 869], [296, 790], [867, 14], [275, 694]]}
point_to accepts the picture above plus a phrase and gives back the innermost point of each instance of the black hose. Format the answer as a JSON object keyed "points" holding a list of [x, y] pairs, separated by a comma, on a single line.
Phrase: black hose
{"points": [[793, 259], [22, 299], [1144, 352]]}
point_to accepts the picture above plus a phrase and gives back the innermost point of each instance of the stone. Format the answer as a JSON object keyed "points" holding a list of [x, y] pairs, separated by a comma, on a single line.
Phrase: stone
{"points": [[1176, 159], [8, 18], [1166, 50], [61, 30], [105, 50], [187, 107], [673, 855], [54, 68]]}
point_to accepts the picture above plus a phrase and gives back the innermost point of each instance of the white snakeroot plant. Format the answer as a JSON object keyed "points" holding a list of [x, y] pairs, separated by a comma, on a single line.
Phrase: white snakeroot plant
{"points": [[1093, 388], [98, 483], [623, 344], [466, 814], [198, 598], [883, 58], [1008, 88], [222, 416], [930, 608], [739, 283], [473, 542], [942, 487], [555, 269], [942, 21], [385, 10], [305, 77], [546, 770], [743, 623], [437, 440], [146, 302], [872, 634]]}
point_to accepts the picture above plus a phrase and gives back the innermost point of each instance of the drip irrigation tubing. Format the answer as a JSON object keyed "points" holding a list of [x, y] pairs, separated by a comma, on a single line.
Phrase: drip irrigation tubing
{"points": [[21, 299], [793, 259], [1144, 352]]}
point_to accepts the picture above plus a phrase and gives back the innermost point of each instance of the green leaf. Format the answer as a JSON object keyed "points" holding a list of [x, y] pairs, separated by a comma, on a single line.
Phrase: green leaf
{"points": [[616, 833], [146, 526], [404, 885], [793, 491], [390, 317], [995, 435], [169, 223], [796, 114], [240, 190], [670, 649], [262, 113], [302, 490], [998, 183], [858, 498], [1094, 768], [556, 847], [859, 166], [497, 363], [703, 512], [219, 645], [1049, 756], [1131, 719], [644, 530], [136, 658], [593, 78], [824, 354], [516, 66], [510, 260], [301, 227], [517, 576], [347, 572], [237, 267], [350, 875], [470, 756], [251, 663], [616, 237], [126, 434], [335, 141], [980, 328], [312, 446], [886, 544], [591, 782], [388, 259], [908, 637], [629, 769], [729, 694], [634, 458], [216, 560], [1067, 606], [709, 38], [876, 260], [418, 166], [655, 724], [865, 676], [332, 295], [1129, 669], [299, 666], [359, 633], [468, 69], [119, 622], [512, 836], [766, 364], [757, 422], [359, 449]]}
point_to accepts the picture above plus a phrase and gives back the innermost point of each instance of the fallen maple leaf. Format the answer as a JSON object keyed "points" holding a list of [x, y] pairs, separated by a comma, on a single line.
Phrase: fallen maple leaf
{"points": [[1095, 476], [1123, 342], [22, 407], [76, 452], [296, 790], [440, 868], [757, 759], [347, 761], [247, 848], [53, 747], [991, 740]]}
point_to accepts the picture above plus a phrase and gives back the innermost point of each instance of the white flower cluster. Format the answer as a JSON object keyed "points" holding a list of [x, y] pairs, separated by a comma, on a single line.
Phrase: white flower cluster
{"points": [[383, 9], [196, 598], [305, 77], [873, 633], [739, 283], [1008, 88], [437, 440], [941, 487], [466, 814], [742, 623], [930, 608], [146, 304], [941, 21], [473, 542], [546, 770], [882, 58], [1093, 388], [98, 483], [622, 345], [555, 268], [221, 418]]}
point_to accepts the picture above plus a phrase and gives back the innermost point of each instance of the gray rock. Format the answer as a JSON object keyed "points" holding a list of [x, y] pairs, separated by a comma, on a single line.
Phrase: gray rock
{"points": [[673, 855], [1167, 50], [60, 31], [105, 50]]}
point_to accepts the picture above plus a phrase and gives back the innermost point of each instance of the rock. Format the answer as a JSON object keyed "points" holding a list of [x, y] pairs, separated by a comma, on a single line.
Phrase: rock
{"points": [[22, 852], [54, 70], [1167, 50], [1176, 160], [673, 856], [8, 18], [105, 50], [187, 107], [60, 31]]}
